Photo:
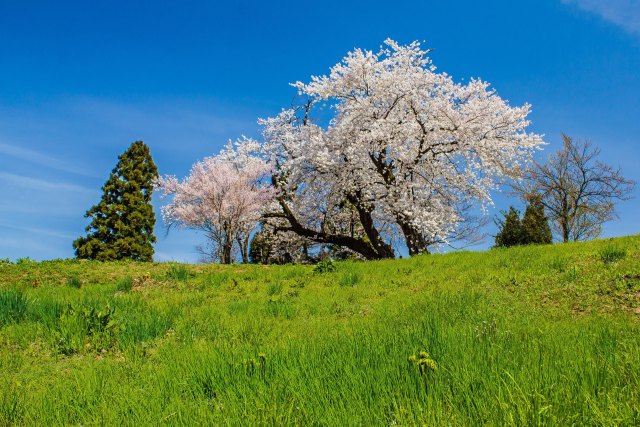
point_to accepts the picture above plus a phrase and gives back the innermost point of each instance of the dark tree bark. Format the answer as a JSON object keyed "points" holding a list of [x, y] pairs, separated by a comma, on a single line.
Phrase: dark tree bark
{"points": [[367, 249], [414, 239]]}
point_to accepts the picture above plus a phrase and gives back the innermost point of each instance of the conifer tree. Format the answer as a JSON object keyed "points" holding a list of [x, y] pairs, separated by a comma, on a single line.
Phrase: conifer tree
{"points": [[535, 224], [511, 231], [122, 223]]}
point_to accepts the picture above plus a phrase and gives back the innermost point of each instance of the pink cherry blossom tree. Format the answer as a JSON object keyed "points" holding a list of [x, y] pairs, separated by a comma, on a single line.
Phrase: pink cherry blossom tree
{"points": [[224, 196]]}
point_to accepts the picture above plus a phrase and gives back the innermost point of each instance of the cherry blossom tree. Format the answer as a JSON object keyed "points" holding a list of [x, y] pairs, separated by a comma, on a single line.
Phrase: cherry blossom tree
{"points": [[224, 196], [384, 150]]}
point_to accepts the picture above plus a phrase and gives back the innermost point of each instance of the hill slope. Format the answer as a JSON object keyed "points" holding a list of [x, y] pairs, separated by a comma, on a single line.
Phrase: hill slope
{"points": [[532, 335]]}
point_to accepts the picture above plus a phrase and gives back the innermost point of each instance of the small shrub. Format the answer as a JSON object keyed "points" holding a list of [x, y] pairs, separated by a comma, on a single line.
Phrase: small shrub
{"points": [[423, 362], [13, 305], [533, 228], [610, 254], [5, 261], [510, 229], [125, 284], [535, 224], [24, 260], [325, 266], [97, 321], [74, 282]]}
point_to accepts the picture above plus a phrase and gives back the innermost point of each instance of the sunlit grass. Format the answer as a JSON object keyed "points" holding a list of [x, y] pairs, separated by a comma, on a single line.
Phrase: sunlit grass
{"points": [[524, 336]]}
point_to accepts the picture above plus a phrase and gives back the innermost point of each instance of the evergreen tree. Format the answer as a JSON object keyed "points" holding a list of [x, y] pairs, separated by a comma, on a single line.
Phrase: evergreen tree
{"points": [[511, 232], [122, 223], [535, 223]]}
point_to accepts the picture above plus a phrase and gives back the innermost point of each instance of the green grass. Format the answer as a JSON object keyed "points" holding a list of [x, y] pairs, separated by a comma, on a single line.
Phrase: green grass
{"points": [[546, 335], [13, 305], [610, 254], [74, 282]]}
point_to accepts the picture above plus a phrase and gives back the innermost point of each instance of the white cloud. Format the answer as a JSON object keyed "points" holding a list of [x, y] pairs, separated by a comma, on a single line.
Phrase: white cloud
{"points": [[624, 13]]}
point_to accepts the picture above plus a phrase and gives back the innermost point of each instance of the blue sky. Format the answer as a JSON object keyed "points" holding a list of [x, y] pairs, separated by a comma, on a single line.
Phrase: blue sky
{"points": [[79, 81]]}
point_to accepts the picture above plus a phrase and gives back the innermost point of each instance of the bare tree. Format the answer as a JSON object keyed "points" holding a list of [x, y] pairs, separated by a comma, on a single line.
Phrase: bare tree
{"points": [[578, 191]]}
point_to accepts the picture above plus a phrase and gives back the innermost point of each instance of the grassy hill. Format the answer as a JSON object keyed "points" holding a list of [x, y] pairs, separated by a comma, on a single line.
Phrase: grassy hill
{"points": [[531, 335]]}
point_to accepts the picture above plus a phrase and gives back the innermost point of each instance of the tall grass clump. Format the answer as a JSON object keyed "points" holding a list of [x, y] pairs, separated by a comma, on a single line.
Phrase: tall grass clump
{"points": [[74, 282], [143, 328], [325, 266], [178, 273], [274, 288], [13, 305], [48, 312], [85, 328], [610, 254], [125, 284], [217, 279], [349, 279], [11, 406]]}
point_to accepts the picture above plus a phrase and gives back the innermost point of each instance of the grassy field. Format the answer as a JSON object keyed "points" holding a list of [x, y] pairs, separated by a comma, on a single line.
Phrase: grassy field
{"points": [[525, 336]]}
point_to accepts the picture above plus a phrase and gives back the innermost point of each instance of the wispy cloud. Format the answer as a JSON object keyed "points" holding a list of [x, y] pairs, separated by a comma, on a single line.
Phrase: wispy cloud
{"points": [[42, 159], [39, 231], [41, 184], [624, 13], [46, 149]]}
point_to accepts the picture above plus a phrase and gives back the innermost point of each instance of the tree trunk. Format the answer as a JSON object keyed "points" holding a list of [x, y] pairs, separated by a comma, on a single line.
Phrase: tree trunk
{"points": [[226, 252], [244, 248], [414, 239], [565, 231], [382, 248], [361, 246]]}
